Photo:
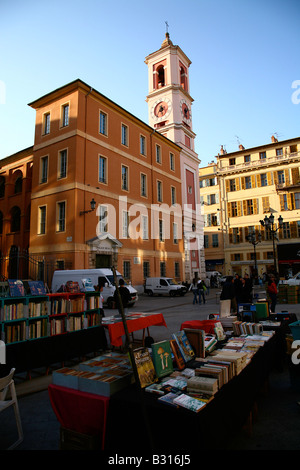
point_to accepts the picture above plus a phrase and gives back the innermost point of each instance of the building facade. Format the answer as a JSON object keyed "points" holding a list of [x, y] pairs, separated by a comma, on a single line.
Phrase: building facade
{"points": [[15, 210], [170, 113], [249, 185], [89, 149]]}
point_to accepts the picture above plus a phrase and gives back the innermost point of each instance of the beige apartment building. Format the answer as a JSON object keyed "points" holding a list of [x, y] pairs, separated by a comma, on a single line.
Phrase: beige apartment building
{"points": [[238, 193]]}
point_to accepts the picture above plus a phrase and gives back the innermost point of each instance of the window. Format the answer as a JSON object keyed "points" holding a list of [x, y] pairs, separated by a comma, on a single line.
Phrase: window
{"points": [[143, 185], [44, 170], [286, 233], [18, 185], [158, 153], [263, 179], [62, 164], [280, 176], [297, 200], [284, 206], [215, 240], [161, 230], [146, 269], [232, 184], [162, 269], [15, 223], [247, 158], [142, 145], [172, 162], [65, 115], [173, 195], [145, 234], [124, 178], [231, 161], [42, 220], [159, 191], [237, 257], [262, 155], [102, 169], [248, 184], [266, 204], [279, 152], [234, 209], [125, 224], [61, 216], [126, 269], [60, 264], [103, 123], [235, 235], [46, 127], [177, 269], [206, 243], [124, 135], [249, 207], [175, 233], [103, 219]]}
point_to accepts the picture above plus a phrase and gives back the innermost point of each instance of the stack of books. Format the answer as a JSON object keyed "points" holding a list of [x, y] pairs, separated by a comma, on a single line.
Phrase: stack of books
{"points": [[203, 384], [246, 328]]}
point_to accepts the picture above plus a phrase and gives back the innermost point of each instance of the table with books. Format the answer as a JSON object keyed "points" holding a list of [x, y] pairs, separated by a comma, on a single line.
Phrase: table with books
{"points": [[198, 403], [135, 322], [194, 389]]}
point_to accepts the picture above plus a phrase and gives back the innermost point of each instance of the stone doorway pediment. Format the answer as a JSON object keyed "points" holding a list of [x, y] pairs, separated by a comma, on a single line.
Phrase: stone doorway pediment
{"points": [[105, 243]]}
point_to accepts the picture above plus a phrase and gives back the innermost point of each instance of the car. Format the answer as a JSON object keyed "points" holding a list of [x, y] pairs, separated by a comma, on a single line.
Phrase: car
{"points": [[222, 280], [292, 281]]}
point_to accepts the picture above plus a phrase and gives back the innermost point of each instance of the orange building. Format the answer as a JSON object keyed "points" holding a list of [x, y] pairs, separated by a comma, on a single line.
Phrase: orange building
{"points": [[15, 206], [87, 148]]}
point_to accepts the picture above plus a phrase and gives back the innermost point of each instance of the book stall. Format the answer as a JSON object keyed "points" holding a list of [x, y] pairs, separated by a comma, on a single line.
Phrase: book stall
{"points": [[40, 328], [191, 391]]}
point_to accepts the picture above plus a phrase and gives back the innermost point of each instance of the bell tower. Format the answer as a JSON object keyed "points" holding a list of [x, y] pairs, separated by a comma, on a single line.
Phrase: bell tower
{"points": [[170, 113], [169, 99]]}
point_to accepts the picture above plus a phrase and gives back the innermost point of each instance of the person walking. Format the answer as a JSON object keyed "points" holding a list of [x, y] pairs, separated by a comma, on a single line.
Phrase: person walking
{"points": [[201, 290], [227, 297], [272, 291], [194, 289]]}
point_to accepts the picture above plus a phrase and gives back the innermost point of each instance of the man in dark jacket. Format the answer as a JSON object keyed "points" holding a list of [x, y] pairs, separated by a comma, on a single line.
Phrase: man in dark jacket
{"points": [[125, 296]]}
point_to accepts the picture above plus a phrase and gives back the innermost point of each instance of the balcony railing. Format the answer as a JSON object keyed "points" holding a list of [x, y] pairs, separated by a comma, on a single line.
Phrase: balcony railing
{"points": [[259, 163]]}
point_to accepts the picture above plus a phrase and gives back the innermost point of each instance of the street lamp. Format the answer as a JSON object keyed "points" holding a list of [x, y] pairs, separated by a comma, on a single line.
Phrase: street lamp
{"points": [[254, 241], [93, 205], [269, 224]]}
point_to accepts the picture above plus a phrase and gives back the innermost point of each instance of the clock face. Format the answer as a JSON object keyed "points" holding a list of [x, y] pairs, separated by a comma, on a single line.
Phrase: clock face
{"points": [[185, 111], [161, 109]]}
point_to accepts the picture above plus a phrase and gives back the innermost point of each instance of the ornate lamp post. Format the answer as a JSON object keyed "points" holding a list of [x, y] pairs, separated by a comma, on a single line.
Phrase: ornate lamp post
{"points": [[269, 224], [254, 241]]}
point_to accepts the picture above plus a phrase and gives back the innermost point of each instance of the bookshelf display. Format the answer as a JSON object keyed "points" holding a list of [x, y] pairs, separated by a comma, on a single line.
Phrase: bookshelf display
{"points": [[44, 328]]}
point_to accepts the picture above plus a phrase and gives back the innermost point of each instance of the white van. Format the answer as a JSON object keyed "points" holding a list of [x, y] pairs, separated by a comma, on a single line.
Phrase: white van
{"points": [[163, 285], [98, 276]]}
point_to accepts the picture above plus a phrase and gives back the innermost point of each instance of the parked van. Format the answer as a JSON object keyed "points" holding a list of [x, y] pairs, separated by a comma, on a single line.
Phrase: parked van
{"points": [[163, 285], [98, 277]]}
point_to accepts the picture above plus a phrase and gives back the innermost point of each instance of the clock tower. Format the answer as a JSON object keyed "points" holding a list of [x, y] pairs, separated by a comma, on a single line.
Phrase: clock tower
{"points": [[169, 99], [170, 113]]}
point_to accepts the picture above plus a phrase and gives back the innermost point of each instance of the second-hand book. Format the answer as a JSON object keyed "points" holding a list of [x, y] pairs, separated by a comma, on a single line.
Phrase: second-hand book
{"points": [[189, 403], [145, 367], [162, 358], [179, 362], [184, 345]]}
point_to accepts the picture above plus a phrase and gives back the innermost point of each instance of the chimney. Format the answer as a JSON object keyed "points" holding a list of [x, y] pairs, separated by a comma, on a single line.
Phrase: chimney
{"points": [[273, 138], [241, 147]]}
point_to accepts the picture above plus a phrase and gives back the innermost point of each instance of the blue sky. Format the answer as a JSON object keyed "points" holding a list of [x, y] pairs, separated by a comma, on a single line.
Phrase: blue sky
{"points": [[244, 53]]}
